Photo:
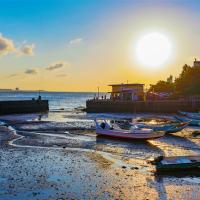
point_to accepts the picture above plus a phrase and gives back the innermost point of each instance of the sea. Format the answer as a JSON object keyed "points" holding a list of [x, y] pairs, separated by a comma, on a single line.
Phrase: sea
{"points": [[64, 106], [57, 100]]}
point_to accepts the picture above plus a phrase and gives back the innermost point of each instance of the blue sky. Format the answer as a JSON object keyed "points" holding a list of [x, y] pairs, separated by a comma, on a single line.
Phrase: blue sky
{"points": [[43, 19]]}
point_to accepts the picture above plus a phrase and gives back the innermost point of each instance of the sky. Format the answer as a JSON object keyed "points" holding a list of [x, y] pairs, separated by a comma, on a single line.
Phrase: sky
{"points": [[79, 45]]}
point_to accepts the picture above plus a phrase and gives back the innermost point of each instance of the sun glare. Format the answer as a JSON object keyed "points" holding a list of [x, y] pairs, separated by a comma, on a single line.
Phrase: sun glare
{"points": [[152, 50]]}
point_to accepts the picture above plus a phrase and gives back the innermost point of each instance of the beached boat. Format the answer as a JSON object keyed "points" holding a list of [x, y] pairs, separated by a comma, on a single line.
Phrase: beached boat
{"points": [[195, 116], [105, 129], [192, 122], [168, 128], [177, 163]]}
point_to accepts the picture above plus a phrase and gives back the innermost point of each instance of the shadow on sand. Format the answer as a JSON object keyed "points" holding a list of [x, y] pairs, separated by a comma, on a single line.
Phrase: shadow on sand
{"points": [[183, 142]]}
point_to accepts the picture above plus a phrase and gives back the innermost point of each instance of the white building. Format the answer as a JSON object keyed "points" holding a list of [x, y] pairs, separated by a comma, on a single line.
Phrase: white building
{"points": [[196, 63]]}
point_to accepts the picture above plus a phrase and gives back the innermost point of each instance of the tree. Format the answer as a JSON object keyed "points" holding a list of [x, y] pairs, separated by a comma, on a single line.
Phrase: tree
{"points": [[188, 82], [170, 79], [162, 86]]}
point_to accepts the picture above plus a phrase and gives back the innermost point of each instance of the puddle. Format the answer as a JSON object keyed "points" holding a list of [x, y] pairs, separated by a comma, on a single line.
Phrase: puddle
{"points": [[192, 180], [56, 178], [2, 179], [44, 193]]}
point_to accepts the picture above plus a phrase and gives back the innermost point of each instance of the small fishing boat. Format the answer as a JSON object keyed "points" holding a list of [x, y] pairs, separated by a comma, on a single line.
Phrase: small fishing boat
{"points": [[192, 122], [134, 133], [191, 115], [168, 128], [177, 163]]}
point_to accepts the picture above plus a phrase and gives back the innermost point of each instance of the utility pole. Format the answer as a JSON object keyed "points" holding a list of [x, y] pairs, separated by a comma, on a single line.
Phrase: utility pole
{"points": [[98, 91]]}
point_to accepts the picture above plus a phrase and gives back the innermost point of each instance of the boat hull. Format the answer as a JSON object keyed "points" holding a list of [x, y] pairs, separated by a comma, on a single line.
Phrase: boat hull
{"points": [[194, 116], [192, 122], [174, 164], [167, 128], [182, 166], [133, 136]]}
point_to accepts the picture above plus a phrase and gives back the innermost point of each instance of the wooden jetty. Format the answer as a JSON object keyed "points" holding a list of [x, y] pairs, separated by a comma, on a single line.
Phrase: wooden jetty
{"points": [[25, 106]]}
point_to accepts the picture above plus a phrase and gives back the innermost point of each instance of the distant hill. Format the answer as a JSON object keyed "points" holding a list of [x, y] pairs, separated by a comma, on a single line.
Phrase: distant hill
{"points": [[6, 90], [11, 90]]}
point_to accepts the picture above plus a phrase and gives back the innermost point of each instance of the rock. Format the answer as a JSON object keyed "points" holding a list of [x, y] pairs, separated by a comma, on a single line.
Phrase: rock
{"points": [[134, 168], [34, 193]]}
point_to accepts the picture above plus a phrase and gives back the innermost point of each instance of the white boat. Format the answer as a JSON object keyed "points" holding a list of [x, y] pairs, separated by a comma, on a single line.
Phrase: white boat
{"points": [[134, 133]]}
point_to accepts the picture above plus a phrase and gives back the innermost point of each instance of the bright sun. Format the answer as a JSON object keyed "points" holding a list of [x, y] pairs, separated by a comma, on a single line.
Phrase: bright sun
{"points": [[153, 50]]}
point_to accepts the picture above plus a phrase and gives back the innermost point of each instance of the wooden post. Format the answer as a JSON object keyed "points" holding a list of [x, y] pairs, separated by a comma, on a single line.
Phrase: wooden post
{"points": [[98, 91]]}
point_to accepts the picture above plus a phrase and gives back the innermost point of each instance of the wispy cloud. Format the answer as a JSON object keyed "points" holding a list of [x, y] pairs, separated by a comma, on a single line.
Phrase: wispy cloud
{"points": [[12, 75], [76, 41], [57, 65], [62, 75], [31, 71], [6, 46]]}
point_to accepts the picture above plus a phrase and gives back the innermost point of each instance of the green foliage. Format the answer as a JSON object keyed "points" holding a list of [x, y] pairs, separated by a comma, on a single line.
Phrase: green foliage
{"points": [[170, 79], [188, 83], [162, 86]]}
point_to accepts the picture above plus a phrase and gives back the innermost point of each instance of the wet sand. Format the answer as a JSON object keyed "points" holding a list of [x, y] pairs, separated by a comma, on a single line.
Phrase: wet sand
{"points": [[56, 160]]}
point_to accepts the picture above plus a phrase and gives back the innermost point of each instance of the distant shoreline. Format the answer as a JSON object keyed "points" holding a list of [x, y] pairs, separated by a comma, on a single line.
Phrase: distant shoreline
{"points": [[44, 91], [10, 90]]}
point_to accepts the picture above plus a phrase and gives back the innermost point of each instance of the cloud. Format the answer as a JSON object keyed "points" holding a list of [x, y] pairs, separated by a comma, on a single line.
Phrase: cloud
{"points": [[12, 75], [27, 49], [62, 75], [6, 46], [57, 65], [42, 70], [31, 71], [76, 41]]}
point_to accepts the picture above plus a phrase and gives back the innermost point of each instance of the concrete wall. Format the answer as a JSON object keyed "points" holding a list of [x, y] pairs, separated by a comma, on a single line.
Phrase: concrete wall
{"points": [[170, 106], [27, 106]]}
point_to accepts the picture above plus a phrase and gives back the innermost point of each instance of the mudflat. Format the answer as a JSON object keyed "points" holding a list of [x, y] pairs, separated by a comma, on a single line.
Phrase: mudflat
{"points": [[49, 160]]}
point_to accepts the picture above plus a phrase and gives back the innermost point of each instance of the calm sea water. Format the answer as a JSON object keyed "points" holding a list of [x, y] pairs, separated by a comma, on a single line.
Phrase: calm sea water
{"points": [[57, 100]]}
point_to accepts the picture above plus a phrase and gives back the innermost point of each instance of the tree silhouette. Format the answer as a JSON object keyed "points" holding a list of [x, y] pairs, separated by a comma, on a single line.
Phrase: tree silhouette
{"points": [[186, 84]]}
